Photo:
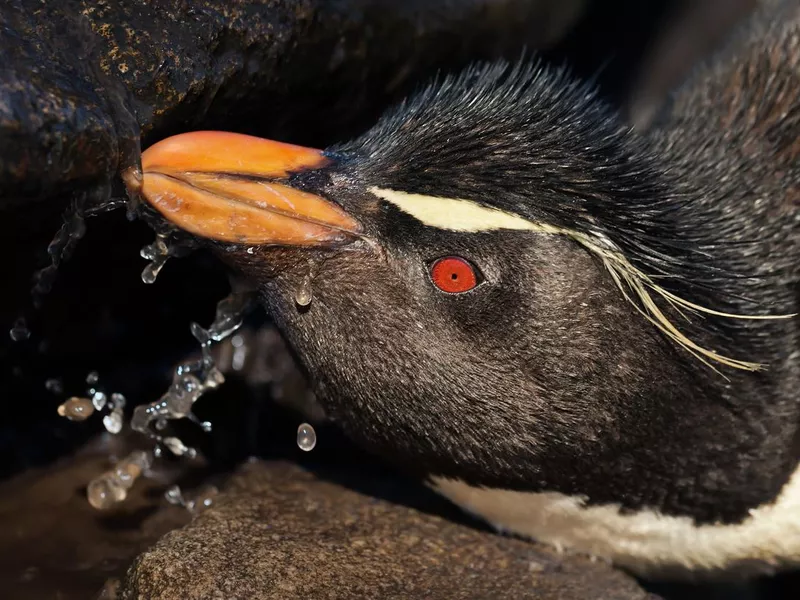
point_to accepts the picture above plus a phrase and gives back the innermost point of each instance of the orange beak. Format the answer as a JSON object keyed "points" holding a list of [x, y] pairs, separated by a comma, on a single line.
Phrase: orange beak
{"points": [[226, 187]]}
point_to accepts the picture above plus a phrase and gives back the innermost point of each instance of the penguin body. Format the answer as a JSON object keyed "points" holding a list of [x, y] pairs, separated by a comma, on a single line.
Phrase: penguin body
{"points": [[581, 333]]}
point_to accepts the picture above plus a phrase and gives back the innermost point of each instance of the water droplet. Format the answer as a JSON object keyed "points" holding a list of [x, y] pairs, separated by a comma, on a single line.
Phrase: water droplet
{"points": [[103, 492], [207, 426], [113, 421], [99, 400], [303, 296], [92, 378], [251, 250], [204, 499], [173, 495], [215, 378], [157, 451], [76, 409], [112, 486], [19, 332], [161, 424], [54, 385], [306, 437], [117, 400], [176, 446], [239, 353], [151, 271]]}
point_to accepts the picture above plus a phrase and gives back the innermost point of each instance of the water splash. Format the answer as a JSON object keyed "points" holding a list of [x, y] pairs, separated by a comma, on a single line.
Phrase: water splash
{"points": [[112, 487], [193, 379], [306, 437]]}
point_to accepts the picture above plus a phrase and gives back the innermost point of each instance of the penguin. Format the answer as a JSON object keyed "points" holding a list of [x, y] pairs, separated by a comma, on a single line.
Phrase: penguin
{"points": [[583, 333]]}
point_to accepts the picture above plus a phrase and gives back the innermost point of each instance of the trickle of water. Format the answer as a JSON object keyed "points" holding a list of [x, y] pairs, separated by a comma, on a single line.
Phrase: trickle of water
{"points": [[191, 380], [306, 437], [157, 253], [54, 386], [113, 421], [76, 409], [60, 248], [112, 486], [19, 332], [229, 315], [92, 378], [303, 295]]}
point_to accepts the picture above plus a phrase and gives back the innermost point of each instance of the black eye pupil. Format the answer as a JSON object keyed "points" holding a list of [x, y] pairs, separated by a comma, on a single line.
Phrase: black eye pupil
{"points": [[454, 276]]}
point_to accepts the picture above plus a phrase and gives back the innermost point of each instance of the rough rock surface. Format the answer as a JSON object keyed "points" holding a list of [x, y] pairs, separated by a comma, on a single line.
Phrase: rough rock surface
{"points": [[81, 78], [282, 532]]}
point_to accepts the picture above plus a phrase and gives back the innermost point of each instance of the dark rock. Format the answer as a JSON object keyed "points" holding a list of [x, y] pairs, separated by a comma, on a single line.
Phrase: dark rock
{"points": [[80, 79], [282, 532]]}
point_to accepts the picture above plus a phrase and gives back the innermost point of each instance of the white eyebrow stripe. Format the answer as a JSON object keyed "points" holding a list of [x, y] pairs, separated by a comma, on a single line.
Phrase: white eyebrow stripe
{"points": [[457, 214]]}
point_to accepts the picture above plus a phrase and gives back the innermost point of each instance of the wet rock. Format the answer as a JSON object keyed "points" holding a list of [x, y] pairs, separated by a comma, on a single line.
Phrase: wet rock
{"points": [[81, 79], [282, 532]]}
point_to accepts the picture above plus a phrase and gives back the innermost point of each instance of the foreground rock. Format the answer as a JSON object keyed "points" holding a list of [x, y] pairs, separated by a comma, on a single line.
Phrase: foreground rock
{"points": [[282, 532], [54, 545]]}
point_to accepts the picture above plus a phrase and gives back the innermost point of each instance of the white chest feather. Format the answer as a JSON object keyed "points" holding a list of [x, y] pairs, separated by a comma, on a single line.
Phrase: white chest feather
{"points": [[645, 542]]}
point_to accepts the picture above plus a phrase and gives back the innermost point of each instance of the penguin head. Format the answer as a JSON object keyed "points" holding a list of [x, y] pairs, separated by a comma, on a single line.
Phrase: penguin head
{"points": [[488, 285]]}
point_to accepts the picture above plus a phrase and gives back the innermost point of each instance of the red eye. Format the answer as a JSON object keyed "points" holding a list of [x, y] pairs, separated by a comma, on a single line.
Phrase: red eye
{"points": [[453, 275]]}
